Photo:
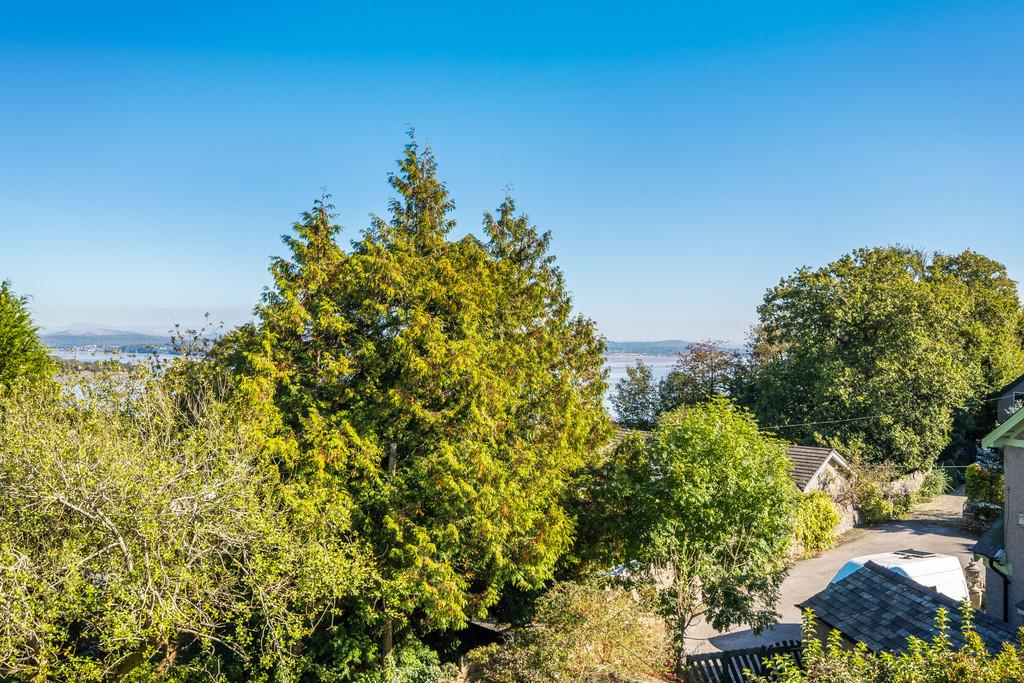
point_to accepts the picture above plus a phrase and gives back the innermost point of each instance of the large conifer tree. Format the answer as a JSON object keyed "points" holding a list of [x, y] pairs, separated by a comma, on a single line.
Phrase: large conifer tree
{"points": [[444, 388], [22, 355]]}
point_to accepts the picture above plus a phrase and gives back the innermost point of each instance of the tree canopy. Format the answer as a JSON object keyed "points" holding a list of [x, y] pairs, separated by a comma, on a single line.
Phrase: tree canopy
{"points": [[635, 399], [702, 371], [443, 390], [143, 537], [878, 350], [701, 510]]}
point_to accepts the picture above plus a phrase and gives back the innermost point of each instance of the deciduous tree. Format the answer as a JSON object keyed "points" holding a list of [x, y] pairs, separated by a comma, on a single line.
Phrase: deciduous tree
{"points": [[635, 398], [878, 350], [701, 510], [144, 537], [704, 370]]}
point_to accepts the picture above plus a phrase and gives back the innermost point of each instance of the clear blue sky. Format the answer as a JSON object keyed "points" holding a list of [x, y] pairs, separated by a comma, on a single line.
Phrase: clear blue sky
{"points": [[685, 155]]}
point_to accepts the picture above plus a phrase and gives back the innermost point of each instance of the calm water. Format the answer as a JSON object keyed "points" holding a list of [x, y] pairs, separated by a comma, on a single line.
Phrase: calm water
{"points": [[615, 362], [618, 362], [128, 358]]}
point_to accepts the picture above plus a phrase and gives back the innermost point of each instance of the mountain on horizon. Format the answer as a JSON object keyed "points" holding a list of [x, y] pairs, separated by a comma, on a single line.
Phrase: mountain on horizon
{"points": [[86, 335]]}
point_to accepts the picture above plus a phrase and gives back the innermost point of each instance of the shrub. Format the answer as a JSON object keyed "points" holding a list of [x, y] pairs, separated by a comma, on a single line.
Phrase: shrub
{"points": [[983, 486], [584, 632], [878, 495], [935, 661], [816, 522], [146, 536], [936, 482]]}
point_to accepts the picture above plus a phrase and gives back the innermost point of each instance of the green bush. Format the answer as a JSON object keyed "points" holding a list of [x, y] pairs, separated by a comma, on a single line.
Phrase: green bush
{"points": [[583, 632], [877, 504], [936, 482], [878, 496], [816, 522], [983, 486]]}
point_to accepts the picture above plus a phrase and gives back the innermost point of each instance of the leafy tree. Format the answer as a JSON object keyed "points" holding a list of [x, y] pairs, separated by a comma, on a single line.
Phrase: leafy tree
{"points": [[878, 350], [701, 510], [147, 538], [993, 324], [704, 370], [22, 355], [441, 391], [635, 398]]}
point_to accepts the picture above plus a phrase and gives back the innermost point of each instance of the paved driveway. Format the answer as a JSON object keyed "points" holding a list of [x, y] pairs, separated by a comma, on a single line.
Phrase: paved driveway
{"points": [[933, 529]]}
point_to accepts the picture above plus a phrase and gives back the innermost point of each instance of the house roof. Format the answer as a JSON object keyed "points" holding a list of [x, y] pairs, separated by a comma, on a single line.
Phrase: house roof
{"points": [[807, 462], [620, 435], [990, 544], [1006, 433], [881, 609], [1006, 388]]}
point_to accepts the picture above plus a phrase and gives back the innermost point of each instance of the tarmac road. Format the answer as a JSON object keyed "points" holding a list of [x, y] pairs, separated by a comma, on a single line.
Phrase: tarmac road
{"points": [[934, 527]]}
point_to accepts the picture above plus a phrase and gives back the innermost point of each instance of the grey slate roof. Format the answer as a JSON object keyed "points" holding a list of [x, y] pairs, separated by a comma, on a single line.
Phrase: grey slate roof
{"points": [[881, 609], [805, 461], [990, 544]]}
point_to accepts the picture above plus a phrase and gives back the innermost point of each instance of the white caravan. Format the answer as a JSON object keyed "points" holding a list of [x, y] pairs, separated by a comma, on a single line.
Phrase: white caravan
{"points": [[941, 572]]}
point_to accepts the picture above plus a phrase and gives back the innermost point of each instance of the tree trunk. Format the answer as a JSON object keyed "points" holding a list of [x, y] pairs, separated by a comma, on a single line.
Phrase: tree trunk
{"points": [[683, 610], [388, 644]]}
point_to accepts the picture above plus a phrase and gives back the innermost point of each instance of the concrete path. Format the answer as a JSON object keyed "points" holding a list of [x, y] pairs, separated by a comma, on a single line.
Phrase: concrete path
{"points": [[933, 527]]}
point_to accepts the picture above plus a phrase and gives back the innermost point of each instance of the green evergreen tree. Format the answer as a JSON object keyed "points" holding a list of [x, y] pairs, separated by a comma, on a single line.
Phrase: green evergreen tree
{"points": [[22, 355], [443, 389]]}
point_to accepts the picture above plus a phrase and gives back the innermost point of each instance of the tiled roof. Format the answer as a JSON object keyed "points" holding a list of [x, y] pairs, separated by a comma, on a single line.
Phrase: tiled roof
{"points": [[881, 609], [991, 542], [805, 461]]}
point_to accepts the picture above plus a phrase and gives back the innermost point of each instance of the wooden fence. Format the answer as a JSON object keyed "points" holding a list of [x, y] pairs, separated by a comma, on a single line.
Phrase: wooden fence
{"points": [[728, 667]]}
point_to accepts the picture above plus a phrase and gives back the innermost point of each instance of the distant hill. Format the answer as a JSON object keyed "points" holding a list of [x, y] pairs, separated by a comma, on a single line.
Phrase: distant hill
{"points": [[106, 339], [666, 347]]}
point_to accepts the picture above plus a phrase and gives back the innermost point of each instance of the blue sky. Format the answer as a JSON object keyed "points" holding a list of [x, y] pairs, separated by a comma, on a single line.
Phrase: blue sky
{"points": [[684, 155]]}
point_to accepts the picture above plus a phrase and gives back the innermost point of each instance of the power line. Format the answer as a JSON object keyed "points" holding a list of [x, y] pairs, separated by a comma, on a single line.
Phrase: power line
{"points": [[863, 417]]}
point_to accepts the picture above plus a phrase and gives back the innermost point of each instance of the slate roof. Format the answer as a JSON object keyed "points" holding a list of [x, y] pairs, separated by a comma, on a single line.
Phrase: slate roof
{"points": [[991, 542], [805, 461], [881, 609]]}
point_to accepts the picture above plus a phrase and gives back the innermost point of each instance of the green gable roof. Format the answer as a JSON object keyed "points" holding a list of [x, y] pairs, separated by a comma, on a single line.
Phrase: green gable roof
{"points": [[1006, 433]]}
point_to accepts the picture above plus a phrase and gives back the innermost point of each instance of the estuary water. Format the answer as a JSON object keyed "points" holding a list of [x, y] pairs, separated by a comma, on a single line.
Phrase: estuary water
{"points": [[617, 363]]}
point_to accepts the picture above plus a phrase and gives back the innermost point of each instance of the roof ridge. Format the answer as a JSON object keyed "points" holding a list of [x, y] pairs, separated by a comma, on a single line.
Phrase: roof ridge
{"points": [[932, 593]]}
